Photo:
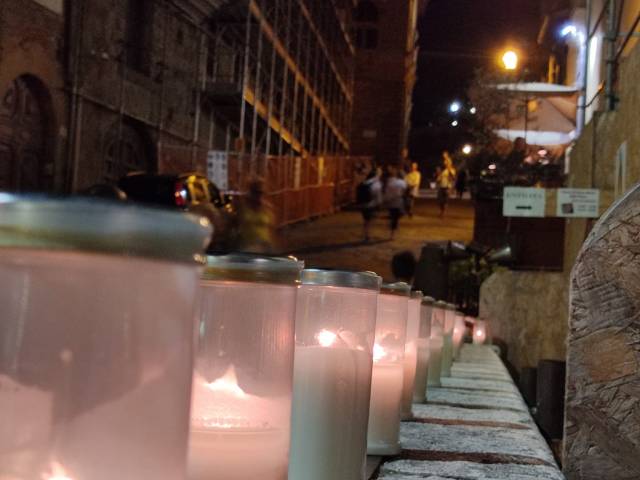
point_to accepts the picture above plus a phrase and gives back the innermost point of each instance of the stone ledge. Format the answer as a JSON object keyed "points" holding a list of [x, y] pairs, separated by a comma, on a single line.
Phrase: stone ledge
{"points": [[476, 427], [461, 470]]}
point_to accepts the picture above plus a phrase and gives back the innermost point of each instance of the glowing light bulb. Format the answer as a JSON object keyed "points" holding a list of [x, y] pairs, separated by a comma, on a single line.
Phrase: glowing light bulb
{"points": [[228, 383], [56, 473]]}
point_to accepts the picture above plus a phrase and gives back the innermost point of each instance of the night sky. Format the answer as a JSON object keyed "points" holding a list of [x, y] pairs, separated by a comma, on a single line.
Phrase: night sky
{"points": [[465, 28]]}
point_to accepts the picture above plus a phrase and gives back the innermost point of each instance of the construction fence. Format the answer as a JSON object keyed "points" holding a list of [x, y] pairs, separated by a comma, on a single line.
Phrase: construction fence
{"points": [[299, 188]]}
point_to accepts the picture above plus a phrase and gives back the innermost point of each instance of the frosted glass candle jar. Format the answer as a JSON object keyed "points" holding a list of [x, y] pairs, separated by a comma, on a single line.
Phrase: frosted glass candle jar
{"points": [[459, 330], [447, 339], [335, 328], [411, 353], [388, 370], [422, 343], [242, 380], [480, 332], [436, 343], [96, 339]]}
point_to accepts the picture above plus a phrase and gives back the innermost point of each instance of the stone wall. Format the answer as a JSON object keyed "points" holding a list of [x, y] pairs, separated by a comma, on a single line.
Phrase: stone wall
{"points": [[602, 430], [527, 312], [592, 163]]}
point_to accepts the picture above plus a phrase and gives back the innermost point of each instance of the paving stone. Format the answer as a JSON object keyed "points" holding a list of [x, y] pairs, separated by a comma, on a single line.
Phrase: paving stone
{"points": [[513, 394], [477, 384], [446, 412], [472, 399], [482, 375], [524, 444], [413, 470]]}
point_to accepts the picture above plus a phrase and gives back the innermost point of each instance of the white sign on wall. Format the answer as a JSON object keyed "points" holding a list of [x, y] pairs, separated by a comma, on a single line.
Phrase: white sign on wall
{"points": [[578, 202], [523, 202], [218, 168]]}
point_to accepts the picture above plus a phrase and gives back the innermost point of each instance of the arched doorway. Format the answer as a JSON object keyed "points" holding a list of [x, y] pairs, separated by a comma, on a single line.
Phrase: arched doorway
{"points": [[127, 150], [25, 165]]}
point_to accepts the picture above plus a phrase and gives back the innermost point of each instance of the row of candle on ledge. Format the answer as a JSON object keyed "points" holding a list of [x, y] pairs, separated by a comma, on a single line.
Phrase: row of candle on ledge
{"points": [[100, 376]]}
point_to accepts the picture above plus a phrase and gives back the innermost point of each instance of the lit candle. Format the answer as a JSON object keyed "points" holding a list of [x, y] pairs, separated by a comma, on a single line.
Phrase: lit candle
{"points": [[447, 340], [242, 382], [436, 344], [229, 426], [480, 332], [459, 330], [335, 325], [388, 370], [422, 344], [96, 339], [411, 353]]}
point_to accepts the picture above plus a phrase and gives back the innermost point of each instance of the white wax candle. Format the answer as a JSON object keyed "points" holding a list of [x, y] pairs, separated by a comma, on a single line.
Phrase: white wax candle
{"points": [[384, 411], [237, 436], [422, 371], [410, 360], [447, 354], [435, 361], [330, 412]]}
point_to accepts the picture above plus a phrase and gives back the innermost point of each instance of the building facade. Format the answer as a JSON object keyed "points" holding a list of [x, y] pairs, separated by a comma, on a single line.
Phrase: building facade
{"points": [[385, 77], [106, 87], [33, 107]]}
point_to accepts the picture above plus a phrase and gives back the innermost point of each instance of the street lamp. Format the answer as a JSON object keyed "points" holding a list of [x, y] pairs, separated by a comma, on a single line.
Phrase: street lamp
{"points": [[510, 60], [454, 123], [455, 107], [473, 110], [467, 149]]}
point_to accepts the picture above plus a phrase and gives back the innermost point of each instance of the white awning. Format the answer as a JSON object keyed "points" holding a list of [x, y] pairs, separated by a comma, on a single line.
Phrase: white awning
{"points": [[540, 138]]}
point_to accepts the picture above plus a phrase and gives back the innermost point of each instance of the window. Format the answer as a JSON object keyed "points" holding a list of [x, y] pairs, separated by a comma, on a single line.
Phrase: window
{"points": [[138, 35], [365, 17]]}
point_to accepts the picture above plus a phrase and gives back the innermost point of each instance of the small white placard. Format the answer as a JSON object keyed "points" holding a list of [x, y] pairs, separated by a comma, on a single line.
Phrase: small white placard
{"points": [[523, 202], [218, 168], [578, 202]]}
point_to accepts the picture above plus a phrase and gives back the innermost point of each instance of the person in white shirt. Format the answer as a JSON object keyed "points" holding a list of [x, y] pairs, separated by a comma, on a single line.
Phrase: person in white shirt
{"points": [[445, 177], [395, 189]]}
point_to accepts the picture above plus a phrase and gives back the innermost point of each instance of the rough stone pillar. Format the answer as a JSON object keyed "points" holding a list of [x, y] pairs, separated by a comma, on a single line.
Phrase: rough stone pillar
{"points": [[602, 429]]}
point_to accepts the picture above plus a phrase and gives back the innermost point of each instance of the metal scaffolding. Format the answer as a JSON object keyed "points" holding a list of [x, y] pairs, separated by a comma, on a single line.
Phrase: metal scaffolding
{"points": [[282, 73]]}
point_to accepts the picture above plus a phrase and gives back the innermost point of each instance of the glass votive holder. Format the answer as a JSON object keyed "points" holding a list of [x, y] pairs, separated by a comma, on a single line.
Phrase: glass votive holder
{"points": [[335, 328], [447, 339], [242, 380], [436, 343], [459, 331], [480, 332], [422, 344], [411, 353], [388, 370], [96, 339]]}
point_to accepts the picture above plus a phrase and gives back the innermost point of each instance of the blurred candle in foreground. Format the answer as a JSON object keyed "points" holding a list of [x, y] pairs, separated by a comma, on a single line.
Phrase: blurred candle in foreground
{"points": [[335, 327], [96, 339], [242, 380], [447, 339], [388, 370], [436, 343], [410, 353], [480, 332], [422, 343]]}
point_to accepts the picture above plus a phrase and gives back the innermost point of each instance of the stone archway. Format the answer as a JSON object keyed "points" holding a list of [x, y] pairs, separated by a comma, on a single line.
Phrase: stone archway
{"points": [[25, 135]]}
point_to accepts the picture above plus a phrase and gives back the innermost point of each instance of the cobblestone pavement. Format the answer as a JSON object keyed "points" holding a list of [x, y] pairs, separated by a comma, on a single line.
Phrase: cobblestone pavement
{"points": [[336, 241]]}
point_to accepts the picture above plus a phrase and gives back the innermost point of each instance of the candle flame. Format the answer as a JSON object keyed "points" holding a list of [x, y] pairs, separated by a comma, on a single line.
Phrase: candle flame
{"points": [[57, 473], [326, 338], [378, 352], [228, 383]]}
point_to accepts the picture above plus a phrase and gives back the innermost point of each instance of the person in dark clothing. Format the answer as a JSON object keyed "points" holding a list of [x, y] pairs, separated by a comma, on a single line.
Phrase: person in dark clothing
{"points": [[461, 182], [403, 266]]}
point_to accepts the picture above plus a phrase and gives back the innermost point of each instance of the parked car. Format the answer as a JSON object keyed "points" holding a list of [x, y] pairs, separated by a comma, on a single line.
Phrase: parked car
{"points": [[191, 192]]}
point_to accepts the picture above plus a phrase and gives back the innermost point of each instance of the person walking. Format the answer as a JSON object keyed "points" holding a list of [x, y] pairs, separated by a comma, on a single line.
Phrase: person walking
{"points": [[369, 198], [395, 189], [461, 183], [413, 179], [445, 178]]}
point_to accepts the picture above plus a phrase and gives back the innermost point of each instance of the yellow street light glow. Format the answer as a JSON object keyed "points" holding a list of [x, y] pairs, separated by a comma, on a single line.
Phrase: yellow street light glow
{"points": [[467, 149], [510, 60]]}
